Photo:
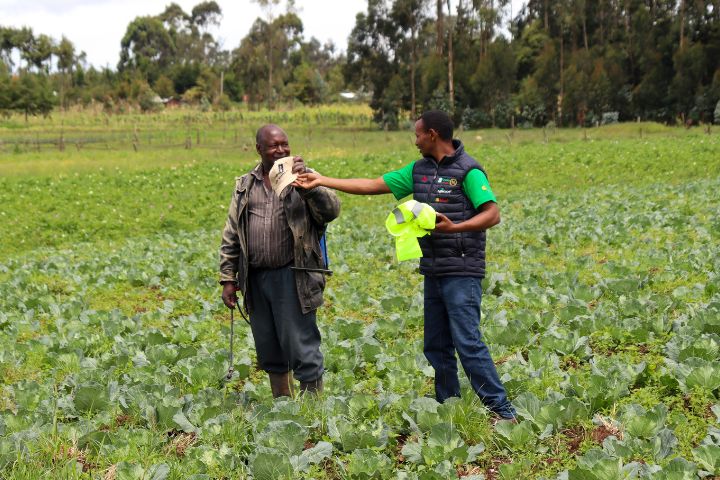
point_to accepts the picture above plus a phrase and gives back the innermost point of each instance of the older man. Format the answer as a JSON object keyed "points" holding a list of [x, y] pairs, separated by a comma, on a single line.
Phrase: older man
{"points": [[270, 252]]}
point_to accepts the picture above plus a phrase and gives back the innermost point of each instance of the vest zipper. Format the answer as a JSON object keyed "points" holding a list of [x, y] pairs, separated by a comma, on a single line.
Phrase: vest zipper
{"points": [[460, 243], [432, 187]]}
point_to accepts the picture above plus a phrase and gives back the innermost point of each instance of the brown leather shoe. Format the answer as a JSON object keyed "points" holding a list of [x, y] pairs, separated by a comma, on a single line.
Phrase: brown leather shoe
{"points": [[281, 384], [315, 386], [495, 419]]}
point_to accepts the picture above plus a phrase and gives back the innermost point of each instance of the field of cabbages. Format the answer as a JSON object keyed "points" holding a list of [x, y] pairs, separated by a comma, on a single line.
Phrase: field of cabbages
{"points": [[601, 308]]}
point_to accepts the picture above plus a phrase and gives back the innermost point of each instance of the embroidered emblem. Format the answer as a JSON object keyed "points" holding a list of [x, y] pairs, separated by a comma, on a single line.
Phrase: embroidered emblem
{"points": [[447, 181]]}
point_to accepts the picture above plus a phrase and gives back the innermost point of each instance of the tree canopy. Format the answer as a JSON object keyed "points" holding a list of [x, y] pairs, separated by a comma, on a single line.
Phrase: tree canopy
{"points": [[569, 62]]}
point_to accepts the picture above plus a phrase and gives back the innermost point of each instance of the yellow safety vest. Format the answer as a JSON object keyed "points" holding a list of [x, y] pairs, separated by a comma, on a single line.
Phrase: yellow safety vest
{"points": [[408, 222]]}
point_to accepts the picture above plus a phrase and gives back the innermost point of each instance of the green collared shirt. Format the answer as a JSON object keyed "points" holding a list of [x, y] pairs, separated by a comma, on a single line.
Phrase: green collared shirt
{"points": [[476, 185]]}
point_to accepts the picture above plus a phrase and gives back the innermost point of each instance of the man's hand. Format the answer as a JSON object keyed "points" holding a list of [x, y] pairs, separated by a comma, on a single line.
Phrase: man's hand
{"points": [[298, 165], [443, 224], [229, 297], [309, 180]]}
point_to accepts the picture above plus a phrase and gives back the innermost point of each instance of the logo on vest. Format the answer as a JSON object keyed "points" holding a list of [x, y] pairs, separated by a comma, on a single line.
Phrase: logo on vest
{"points": [[424, 179], [441, 200], [447, 181], [444, 191]]}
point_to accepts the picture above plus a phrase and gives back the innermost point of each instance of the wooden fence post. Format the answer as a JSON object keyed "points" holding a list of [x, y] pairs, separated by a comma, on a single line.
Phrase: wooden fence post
{"points": [[135, 139]]}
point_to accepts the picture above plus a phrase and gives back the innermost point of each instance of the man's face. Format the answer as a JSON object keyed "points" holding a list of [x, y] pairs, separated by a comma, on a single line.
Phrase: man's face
{"points": [[423, 138], [273, 145]]}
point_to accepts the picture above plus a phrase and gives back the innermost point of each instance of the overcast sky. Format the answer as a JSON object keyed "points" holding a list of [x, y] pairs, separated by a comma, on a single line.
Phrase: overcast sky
{"points": [[97, 26]]}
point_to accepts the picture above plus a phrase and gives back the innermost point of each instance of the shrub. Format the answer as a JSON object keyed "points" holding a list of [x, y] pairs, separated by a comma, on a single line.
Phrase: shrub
{"points": [[149, 101], [609, 117]]}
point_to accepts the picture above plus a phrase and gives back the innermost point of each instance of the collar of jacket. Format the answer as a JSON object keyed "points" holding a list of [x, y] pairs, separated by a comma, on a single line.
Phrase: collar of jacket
{"points": [[459, 152], [257, 172], [242, 182]]}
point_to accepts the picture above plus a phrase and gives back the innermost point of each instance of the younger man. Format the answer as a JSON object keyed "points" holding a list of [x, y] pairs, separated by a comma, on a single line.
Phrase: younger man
{"points": [[453, 261]]}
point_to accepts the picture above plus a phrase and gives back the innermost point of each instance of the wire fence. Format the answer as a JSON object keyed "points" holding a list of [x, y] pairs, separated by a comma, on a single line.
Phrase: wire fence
{"points": [[231, 136], [172, 129], [149, 139]]}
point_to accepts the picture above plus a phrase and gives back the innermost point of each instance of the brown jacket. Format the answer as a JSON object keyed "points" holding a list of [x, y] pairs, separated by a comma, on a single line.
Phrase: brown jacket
{"points": [[308, 213]]}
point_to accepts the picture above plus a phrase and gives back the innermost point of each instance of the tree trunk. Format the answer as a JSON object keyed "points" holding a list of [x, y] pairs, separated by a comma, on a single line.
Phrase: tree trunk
{"points": [[490, 26], [682, 24], [270, 71], [412, 75], [602, 22], [440, 41], [626, 17], [545, 11], [482, 37], [584, 27], [485, 26], [562, 76], [451, 85], [629, 39]]}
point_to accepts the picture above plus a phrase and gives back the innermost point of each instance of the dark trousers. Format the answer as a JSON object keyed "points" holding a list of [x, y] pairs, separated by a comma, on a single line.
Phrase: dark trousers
{"points": [[452, 324], [285, 338]]}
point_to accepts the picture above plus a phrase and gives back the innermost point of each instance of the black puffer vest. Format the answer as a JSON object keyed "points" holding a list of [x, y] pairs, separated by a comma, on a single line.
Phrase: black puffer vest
{"points": [[441, 186]]}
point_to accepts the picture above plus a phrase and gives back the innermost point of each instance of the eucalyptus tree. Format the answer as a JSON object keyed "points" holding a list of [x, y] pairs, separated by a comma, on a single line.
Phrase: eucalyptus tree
{"points": [[22, 40], [268, 6], [66, 61], [410, 16], [147, 47], [203, 16], [489, 15], [373, 64], [262, 60], [7, 45]]}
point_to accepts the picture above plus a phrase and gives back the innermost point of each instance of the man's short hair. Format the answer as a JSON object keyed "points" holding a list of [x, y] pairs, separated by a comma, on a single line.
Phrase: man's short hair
{"points": [[260, 134], [438, 121]]}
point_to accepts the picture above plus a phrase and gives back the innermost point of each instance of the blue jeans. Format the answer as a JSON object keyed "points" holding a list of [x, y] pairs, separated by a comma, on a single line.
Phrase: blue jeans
{"points": [[452, 324]]}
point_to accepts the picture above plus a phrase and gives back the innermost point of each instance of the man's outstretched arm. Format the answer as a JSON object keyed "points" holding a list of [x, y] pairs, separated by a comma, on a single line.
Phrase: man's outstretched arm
{"points": [[357, 186]]}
